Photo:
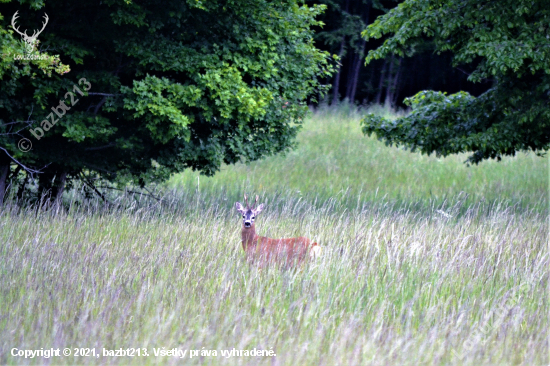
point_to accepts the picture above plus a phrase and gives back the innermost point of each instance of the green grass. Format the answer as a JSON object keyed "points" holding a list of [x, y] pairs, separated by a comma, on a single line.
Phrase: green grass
{"points": [[394, 286], [333, 156], [445, 264]]}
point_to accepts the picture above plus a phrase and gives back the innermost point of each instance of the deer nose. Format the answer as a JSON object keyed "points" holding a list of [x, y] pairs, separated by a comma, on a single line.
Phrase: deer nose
{"points": [[247, 223]]}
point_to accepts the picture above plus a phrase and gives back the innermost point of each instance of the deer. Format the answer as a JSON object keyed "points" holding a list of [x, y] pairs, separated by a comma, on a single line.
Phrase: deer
{"points": [[29, 40], [264, 250]]}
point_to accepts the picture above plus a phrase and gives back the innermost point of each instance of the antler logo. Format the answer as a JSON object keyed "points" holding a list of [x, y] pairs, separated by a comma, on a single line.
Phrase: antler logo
{"points": [[30, 41]]}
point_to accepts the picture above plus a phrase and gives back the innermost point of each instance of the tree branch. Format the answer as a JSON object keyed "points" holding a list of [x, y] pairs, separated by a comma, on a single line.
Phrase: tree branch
{"points": [[112, 144], [27, 169], [104, 94], [133, 192], [91, 185]]}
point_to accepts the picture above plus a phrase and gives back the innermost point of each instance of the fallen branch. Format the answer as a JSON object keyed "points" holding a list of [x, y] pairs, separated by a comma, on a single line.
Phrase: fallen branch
{"points": [[91, 185], [134, 192]]}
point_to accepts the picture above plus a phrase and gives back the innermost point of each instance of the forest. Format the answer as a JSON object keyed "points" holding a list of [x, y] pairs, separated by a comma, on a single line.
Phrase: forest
{"points": [[274, 182], [137, 93], [389, 80]]}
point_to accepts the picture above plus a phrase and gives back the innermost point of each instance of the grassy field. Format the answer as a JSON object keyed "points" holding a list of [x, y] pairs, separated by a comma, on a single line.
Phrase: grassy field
{"points": [[334, 159], [426, 261]]}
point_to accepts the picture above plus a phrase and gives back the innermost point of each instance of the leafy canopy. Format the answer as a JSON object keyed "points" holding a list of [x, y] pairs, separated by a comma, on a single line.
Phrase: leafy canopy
{"points": [[174, 84], [506, 41]]}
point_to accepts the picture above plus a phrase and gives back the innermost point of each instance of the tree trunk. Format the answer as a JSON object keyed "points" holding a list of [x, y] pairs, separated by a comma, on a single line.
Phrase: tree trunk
{"points": [[12, 180], [381, 83], [353, 79], [393, 81], [351, 76], [4, 173], [395, 84], [4, 170], [387, 100], [336, 85], [21, 189], [356, 71], [51, 184], [60, 187]]}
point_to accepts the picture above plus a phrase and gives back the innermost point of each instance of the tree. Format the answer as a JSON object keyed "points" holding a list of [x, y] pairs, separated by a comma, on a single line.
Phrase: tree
{"points": [[506, 41], [45, 65], [344, 21], [158, 87], [388, 80]]}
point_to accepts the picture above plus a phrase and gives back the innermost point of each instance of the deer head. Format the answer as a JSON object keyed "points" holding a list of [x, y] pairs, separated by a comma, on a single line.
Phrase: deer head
{"points": [[29, 40], [249, 214]]}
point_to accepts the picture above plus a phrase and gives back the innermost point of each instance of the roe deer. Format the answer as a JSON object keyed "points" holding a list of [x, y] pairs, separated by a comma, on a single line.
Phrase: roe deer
{"points": [[265, 250]]}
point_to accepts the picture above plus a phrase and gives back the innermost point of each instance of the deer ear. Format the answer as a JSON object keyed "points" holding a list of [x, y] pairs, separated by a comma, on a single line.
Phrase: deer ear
{"points": [[239, 207], [259, 209]]}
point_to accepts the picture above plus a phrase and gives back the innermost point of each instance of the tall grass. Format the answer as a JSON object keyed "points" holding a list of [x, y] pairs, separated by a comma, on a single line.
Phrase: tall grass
{"points": [[425, 261], [393, 287], [333, 157]]}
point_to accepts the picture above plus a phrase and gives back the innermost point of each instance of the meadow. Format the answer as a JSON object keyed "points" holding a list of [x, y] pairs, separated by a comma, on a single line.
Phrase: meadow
{"points": [[426, 261]]}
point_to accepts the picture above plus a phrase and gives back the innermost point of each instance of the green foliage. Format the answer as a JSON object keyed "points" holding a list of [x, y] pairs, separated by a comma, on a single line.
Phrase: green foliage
{"points": [[507, 41], [341, 22], [12, 46], [174, 85], [334, 159]]}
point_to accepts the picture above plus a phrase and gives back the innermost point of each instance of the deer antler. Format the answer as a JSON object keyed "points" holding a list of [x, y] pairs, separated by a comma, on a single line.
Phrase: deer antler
{"points": [[43, 26], [25, 35], [256, 203], [246, 201], [16, 28]]}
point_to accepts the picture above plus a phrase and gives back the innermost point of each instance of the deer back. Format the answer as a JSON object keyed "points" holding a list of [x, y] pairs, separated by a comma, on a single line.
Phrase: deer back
{"points": [[288, 251]]}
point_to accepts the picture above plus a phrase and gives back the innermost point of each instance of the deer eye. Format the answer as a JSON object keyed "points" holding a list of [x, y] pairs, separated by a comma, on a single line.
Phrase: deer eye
{"points": [[253, 217], [243, 217]]}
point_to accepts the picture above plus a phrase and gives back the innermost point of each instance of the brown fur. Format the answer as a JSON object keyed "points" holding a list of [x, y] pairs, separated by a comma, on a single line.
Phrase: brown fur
{"points": [[263, 250]]}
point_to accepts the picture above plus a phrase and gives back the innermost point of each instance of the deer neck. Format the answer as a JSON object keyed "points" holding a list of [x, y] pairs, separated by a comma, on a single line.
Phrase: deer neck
{"points": [[249, 236]]}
